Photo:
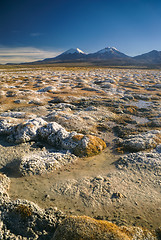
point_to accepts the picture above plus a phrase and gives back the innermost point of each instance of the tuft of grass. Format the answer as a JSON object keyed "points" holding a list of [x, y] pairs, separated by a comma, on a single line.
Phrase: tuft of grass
{"points": [[131, 109], [120, 150], [24, 210], [77, 137], [157, 138], [95, 146], [83, 227]]}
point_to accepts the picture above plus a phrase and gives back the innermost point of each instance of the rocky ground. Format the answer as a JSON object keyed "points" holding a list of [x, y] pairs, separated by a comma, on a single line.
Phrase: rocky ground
{"points": [[80, 142]]}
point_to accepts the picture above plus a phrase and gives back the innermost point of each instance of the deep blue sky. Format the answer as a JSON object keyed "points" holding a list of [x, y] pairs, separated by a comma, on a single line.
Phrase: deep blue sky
{"points": [[48, 27]]}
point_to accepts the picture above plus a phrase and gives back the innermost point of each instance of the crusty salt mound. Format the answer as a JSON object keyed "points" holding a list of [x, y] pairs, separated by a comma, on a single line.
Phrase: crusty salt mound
{"points": [[67, 145], [44, 161], [143, 141], [52, 133]]}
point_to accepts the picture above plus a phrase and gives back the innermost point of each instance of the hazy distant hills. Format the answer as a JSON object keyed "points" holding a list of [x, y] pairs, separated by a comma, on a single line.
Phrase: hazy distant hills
{"points": [[107, 56]]}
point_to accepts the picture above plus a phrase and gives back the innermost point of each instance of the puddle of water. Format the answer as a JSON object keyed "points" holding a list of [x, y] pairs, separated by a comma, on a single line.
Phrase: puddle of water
{"points": [[140, 120], [141, 104]]}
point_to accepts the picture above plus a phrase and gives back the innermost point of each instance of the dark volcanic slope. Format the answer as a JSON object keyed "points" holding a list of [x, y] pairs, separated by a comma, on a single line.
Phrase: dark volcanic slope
{"points": [[153, 57]]}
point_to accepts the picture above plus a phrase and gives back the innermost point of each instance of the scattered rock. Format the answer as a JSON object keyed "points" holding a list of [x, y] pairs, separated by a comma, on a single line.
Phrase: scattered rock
{"points": [[46, 89], [18, 101], [117, 195]]}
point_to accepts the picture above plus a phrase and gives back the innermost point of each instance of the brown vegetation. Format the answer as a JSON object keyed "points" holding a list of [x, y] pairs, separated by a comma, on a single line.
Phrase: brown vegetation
{"points": [[83, 227], [24, 210], [95, 146]]}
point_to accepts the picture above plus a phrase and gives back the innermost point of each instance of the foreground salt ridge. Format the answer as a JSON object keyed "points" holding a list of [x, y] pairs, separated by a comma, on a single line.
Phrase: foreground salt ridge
{"points": [[22, 220], [55, 135]]}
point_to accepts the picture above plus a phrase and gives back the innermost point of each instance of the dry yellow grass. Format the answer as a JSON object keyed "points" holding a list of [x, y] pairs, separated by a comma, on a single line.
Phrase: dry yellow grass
{"points": [[83, 227], [24, 211], [94, 147]]}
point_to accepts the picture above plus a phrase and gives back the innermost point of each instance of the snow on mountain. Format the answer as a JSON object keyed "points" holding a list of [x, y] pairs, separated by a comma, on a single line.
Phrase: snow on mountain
{"points": [[73, 50], [107, 50]]}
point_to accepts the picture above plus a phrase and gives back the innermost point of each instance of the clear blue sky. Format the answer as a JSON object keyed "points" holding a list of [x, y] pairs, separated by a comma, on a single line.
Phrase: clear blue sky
{"points": [[33, 29]]}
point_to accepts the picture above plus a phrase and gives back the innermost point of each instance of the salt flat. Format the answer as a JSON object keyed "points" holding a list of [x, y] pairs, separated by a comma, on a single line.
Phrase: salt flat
{"points": [[80, 141]]}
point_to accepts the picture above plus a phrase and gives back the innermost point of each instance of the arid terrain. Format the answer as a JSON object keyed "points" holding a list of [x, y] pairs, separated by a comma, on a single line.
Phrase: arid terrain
{"points": [[80, 141]]}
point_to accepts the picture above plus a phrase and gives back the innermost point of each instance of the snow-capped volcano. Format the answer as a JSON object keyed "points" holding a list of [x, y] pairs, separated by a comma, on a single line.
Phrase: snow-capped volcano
{"points": [[73, 50], [108, 53], [71, 54]]}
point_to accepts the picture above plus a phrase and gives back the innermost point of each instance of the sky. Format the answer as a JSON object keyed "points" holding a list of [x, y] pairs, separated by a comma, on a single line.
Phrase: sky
{"points": [[36, 29]]}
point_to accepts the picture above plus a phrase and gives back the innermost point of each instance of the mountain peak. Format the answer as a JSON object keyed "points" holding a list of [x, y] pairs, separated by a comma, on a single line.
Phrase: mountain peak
{"points": [[152, 57], [108, 50], [113, 48], [74, 50]]}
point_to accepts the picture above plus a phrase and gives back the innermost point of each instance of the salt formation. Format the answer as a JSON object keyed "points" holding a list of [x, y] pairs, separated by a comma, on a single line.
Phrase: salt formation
{"points": [[55, 135]]}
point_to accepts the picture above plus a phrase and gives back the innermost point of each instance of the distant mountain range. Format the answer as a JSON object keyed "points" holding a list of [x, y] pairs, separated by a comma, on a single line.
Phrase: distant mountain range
{"points": [[107, 56]]}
